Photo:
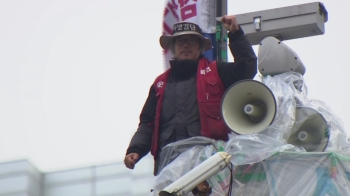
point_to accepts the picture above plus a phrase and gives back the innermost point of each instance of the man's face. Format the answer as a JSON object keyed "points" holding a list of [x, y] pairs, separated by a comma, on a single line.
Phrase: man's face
{"points": [[187, 47]]}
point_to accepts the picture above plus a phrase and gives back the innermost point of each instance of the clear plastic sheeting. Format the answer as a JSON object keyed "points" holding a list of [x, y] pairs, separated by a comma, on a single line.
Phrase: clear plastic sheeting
{"points": [[282, 86], [305, 151], [250, 149], [246, 149], [338, 139], [181, 165], [317, 174], [265, 166], [173, 150], [296, 173], [290, 91]]}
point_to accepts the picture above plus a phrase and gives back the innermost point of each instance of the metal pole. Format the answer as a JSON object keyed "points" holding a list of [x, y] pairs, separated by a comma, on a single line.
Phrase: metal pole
{"points": [[221, 33]]}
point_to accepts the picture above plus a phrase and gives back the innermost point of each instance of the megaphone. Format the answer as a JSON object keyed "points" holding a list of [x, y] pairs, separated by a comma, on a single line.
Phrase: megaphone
{"points": [[248, 107], [310, 130]]}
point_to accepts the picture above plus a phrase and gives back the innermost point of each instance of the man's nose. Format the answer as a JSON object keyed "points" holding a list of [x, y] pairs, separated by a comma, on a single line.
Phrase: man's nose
{"points": [[186, 44]]}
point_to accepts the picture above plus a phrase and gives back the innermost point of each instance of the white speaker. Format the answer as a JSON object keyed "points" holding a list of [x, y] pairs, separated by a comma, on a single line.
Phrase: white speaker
{"points": [[310, 130], [274, 57], [248, 107]]}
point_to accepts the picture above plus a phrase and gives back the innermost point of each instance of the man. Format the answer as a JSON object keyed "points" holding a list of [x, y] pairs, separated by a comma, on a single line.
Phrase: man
{"points": [[185, 100]]}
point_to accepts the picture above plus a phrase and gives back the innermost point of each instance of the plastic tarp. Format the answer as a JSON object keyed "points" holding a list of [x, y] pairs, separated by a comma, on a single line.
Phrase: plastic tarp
{"points": [[268, 163]]}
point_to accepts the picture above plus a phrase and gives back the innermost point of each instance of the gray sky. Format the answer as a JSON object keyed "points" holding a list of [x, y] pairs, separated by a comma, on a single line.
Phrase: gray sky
{"points": [[74, 74]]}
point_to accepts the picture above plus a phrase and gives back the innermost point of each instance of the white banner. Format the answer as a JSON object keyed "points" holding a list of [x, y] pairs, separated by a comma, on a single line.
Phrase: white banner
{"points": [[201, 12]]}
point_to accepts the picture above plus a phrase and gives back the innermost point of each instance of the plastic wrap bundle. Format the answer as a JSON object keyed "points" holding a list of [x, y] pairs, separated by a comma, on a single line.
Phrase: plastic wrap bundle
{"points": [[308, 173], [290, 91], [305, 151], [338, 139], [246, 149], [184, 162], [295, 173], [173, 150], [263, 166], [284, 91]]}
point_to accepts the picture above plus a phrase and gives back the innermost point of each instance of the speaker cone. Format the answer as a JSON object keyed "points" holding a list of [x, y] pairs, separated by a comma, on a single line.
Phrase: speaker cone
{"points": [[248, 107], [310, 130]]}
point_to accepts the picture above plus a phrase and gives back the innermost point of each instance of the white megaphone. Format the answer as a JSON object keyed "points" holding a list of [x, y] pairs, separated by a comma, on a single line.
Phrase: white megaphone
{"points": [[310, 130], [248, 107]]}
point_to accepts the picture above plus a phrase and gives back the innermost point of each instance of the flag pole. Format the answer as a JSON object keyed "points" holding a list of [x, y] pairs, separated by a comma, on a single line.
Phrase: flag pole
{"points": [[221, 33]]}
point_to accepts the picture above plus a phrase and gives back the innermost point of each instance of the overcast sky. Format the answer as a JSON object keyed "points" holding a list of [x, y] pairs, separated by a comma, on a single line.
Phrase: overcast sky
{"points": [[74, 74]]}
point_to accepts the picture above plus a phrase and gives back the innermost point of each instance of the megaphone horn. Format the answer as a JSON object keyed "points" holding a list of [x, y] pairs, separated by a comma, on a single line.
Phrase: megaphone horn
{"points": [[248, 107], [310, 130]]}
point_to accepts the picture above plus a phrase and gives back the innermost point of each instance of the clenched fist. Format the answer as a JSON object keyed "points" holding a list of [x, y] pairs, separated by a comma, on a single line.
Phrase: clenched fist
{"points": [[230, 23], [130, 160]]}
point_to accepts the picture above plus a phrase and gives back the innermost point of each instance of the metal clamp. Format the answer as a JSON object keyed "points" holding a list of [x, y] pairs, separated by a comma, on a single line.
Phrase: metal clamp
{"points": [[257, 23]]}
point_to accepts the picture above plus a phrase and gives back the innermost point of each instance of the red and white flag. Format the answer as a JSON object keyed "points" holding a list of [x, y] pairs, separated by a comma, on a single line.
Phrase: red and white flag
{"points": [[201, 12]]}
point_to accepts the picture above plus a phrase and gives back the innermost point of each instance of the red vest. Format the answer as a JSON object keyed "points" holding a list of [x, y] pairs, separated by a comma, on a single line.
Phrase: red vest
{"points": [[210, 91]]}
